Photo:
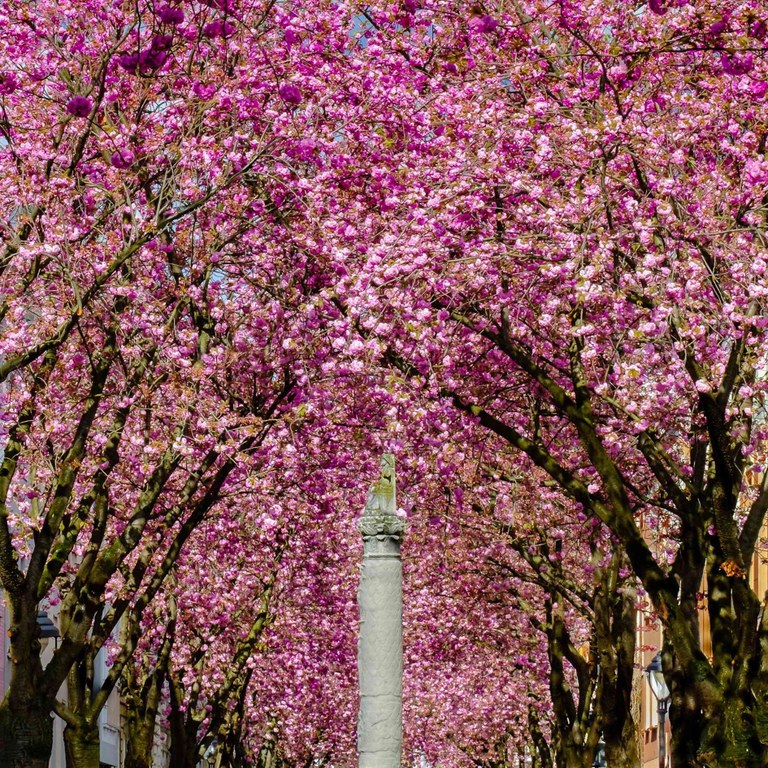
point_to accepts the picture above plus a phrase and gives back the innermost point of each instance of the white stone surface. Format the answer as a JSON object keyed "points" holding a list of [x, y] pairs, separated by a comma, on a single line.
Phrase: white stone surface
{"points": [[380, 645]]}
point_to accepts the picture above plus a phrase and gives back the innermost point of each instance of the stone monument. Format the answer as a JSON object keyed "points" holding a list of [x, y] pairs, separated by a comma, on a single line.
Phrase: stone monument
{"points": [[380, 644]]}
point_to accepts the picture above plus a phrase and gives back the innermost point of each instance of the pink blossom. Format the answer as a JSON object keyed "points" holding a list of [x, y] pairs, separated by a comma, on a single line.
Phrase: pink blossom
{"points": [[122, 158], [8, 82], [161, 43], [204, 90], [170, 15], [290, 94], [720, 26], [756, 171], [150, 59], [219, 29], [128, 61], [223, 5], [655, 104], [758, 88], [737, 63], [79, 106], [483, 24]]}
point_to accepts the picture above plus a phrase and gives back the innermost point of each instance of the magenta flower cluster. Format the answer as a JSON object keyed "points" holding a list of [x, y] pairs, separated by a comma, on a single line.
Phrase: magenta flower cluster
{"points": [[483, 23], [79, 106], [170, 15], [290, 94], [150, 59], [219, 29]]}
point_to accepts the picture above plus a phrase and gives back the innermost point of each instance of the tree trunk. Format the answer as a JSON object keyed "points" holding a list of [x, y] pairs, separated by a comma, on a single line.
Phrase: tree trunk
{"points": [[140, 717], [573, 756], [620, 732], [183, 742], [141, 697], [541, 753], [26, 719], [267, 756], [139, 738], [729, 741], [82, 747], [26, 736], [622, 748], [186, 758]]}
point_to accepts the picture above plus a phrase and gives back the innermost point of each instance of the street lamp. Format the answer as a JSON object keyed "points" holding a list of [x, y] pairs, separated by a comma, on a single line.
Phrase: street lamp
{"points": [[599, 761], [661, 693]]}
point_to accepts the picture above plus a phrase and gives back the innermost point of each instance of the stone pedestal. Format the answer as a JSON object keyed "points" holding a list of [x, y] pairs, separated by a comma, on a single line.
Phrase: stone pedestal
{"points": [[380, 645]]}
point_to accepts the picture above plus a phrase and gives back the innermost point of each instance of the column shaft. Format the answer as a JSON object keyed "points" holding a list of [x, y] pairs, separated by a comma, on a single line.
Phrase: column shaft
{"points": [[380, 644]]}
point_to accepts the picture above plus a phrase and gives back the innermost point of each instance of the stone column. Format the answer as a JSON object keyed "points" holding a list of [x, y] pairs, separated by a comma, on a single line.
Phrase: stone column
{"points": [[380, 644]]}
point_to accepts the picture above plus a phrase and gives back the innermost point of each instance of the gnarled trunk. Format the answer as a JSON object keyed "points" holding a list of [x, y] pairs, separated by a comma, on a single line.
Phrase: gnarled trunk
{"points": [[26, 720], [139, 737], [26, 735], [571, 755], [622, 749], [183, 728], [541, 754], [728, 740], [82, 747], [141, 699], [617, 651]]}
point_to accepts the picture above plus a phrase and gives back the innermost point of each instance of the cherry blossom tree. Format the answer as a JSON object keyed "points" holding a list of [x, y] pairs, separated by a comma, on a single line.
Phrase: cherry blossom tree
{"points": [[266, 662], [149, 321], [533, 227], [585, 609], [474, 665], [567, 246], [528, 612]]}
